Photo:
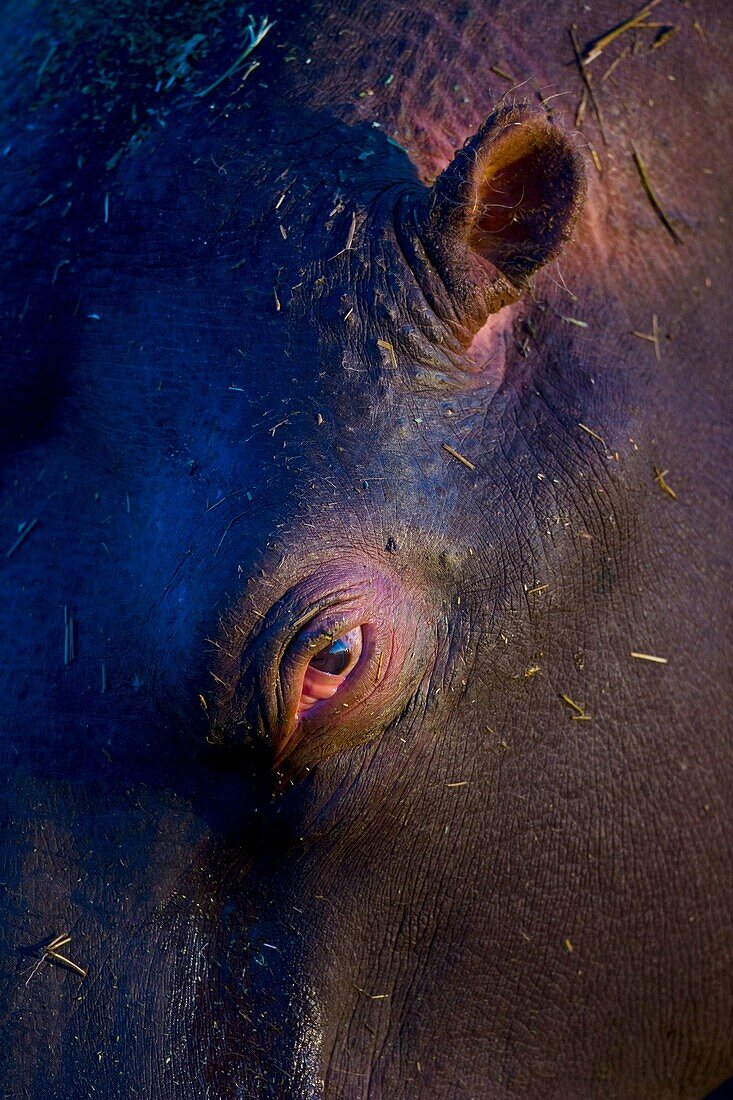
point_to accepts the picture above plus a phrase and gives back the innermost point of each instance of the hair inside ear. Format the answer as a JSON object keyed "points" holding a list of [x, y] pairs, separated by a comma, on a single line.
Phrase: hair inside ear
{"points": [[502, 208], [527, 188]]}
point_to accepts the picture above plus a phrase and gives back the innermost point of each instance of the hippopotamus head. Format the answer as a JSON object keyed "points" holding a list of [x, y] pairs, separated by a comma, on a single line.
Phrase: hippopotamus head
{"points": [[383, 522], [320, 541], [287, 396]]}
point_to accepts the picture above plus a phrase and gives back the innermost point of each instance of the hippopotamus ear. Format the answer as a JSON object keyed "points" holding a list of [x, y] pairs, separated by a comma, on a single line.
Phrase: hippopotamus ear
{"points": [[502, 208]]}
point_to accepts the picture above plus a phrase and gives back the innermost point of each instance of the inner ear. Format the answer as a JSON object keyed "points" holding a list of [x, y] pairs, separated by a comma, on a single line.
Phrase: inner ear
{"points": [[503, 207], [526, 194]]}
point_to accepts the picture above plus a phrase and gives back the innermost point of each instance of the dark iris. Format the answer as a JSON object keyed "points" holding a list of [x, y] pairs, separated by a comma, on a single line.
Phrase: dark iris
{"points": [[337, 657]]}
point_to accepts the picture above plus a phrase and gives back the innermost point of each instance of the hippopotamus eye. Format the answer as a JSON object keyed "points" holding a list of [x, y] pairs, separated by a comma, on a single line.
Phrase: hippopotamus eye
{"points": [[333, 662], [341, 656], [329, 668]]}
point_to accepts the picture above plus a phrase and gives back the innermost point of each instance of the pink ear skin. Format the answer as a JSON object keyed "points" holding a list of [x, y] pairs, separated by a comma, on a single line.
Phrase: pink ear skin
{"points": [[504, 206]]}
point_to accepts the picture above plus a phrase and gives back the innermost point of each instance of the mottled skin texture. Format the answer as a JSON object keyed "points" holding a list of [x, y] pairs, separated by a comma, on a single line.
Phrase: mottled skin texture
{"points": [[558, 925]]}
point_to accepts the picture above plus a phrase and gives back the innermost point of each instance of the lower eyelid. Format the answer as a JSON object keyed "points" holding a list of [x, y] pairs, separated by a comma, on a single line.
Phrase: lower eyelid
{"points": [[318, 686]]}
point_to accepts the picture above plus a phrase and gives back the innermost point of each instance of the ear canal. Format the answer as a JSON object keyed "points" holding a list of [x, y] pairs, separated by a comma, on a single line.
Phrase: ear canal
{"points": [[503, 207]]}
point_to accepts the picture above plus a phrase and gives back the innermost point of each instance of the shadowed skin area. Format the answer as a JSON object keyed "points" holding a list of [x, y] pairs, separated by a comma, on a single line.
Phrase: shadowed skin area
{"points": [[480, 896]]}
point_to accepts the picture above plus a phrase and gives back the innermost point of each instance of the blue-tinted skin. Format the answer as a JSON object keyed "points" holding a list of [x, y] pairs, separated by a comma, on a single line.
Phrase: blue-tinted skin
{"points": [[490, 899]]}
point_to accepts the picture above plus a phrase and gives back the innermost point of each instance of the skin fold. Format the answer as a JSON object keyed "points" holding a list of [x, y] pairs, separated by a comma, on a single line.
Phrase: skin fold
{"points": [[256, 374]]}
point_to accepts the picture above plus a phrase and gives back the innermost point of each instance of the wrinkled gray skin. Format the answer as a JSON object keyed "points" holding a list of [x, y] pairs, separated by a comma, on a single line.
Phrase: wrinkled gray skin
{"points": [[488, 899]]}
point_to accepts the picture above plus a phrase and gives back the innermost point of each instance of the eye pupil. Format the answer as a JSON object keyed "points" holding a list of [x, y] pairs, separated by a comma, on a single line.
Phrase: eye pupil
{"points": [[334, 659], [339, 655]]}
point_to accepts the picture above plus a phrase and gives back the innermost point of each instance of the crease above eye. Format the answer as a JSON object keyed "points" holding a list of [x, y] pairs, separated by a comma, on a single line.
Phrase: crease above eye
{"points": [[329, 668]]}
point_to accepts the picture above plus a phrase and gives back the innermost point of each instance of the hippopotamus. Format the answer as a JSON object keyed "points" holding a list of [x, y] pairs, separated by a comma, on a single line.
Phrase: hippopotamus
{"points": [[363, 448]]}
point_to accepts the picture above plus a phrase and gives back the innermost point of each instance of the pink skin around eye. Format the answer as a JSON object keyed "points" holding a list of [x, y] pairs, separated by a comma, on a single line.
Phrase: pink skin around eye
{"points": [[337, 662]]}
